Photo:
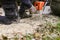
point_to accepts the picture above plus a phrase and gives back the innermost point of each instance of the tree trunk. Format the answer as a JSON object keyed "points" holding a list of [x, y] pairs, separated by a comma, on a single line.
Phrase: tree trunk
{"points": [[55, 7]]}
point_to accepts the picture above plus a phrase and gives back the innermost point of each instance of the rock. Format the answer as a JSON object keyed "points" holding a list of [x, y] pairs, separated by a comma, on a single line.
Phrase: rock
{"points": [[37, 35]]}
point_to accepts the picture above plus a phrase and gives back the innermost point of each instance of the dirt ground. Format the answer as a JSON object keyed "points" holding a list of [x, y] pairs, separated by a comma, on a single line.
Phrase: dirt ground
{"points": [[28, 25]]}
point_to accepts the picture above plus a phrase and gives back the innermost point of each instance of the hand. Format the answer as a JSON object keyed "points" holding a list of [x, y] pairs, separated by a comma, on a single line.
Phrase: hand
{"points": [[33, 9]]}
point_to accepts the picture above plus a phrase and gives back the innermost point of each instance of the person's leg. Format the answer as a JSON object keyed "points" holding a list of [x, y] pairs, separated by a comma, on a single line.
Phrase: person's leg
{"points": [[22, 12], [24, 4], [4, 19], [27, 3], [10, 8]]}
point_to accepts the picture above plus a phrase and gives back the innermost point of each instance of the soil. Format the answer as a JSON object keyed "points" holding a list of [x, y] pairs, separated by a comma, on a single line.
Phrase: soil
{"points": [[27, 25]]}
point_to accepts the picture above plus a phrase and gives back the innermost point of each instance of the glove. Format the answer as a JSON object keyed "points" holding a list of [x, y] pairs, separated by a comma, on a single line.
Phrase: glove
{"points": [[33, 9]]}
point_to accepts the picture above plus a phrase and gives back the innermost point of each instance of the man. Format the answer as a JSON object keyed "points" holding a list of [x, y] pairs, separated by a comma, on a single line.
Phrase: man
{"points": [[24, 4], [10, 9]]}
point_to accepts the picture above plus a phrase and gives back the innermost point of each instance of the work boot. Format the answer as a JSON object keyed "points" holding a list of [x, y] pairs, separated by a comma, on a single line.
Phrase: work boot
{"points": [[24, 15], [5, 20]]}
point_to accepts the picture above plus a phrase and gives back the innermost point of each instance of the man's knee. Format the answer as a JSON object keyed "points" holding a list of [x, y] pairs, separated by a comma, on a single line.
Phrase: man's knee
{"points": [[27, 3]]}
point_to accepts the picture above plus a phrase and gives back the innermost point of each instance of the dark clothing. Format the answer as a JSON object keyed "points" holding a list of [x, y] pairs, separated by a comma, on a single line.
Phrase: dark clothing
{"points": [[8, 2], [25, 4], [10, 7]]}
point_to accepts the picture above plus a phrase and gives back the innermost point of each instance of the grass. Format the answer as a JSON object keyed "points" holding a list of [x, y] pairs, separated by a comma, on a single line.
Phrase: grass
{"points": [[58, 27]]}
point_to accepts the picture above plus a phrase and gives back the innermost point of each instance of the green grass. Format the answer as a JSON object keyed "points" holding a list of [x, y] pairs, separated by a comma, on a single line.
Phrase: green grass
{"points": [[58, 27], [48, 38]]}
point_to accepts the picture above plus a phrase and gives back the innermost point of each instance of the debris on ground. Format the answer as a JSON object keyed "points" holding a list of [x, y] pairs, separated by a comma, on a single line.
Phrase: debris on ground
{"points": [[45, 27]]}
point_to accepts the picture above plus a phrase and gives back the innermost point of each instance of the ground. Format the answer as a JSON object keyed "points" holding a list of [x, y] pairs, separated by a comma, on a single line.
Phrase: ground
{"points": [[28, 25]]}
